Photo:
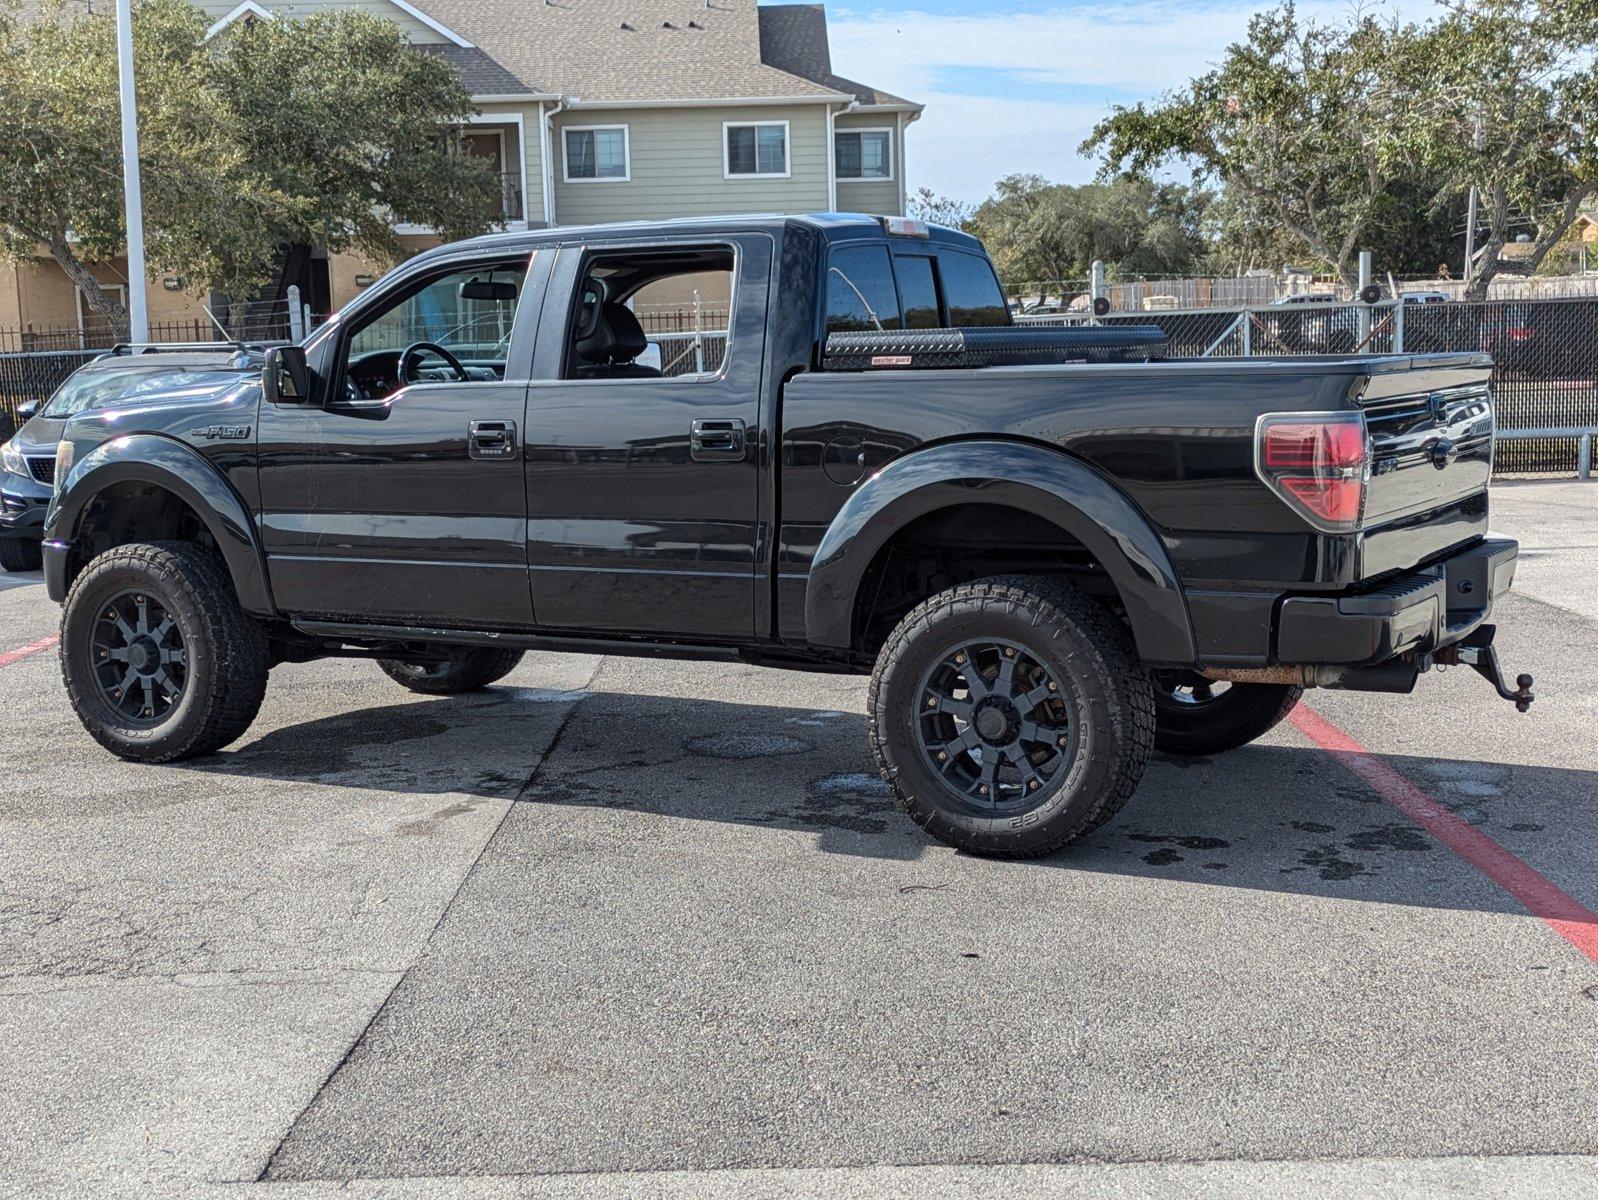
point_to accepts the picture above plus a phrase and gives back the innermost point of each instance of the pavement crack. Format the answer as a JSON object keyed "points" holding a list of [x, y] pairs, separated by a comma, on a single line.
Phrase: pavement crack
{"points": [[360, 1039]]}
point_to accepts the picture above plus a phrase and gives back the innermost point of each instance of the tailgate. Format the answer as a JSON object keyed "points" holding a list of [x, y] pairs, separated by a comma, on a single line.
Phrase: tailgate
{"points": [[1431, 431]]}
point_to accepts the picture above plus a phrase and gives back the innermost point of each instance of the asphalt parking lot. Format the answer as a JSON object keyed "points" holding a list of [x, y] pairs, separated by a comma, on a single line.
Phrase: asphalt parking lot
{"points": [[620, 928]]}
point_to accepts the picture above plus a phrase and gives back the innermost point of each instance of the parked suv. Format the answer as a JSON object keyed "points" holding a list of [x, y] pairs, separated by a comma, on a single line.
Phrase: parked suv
{"points": [[28, 459]]}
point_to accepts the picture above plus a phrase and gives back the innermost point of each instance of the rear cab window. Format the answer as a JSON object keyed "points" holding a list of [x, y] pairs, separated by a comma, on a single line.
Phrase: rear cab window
{"points": [[931, 287]]}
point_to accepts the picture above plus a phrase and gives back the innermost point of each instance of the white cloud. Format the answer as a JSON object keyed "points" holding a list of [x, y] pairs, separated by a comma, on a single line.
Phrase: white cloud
{"points": [[1023, 124]]}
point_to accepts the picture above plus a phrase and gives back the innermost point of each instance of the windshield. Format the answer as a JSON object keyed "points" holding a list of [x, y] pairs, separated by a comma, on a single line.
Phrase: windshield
{"points": [[96, 389]]}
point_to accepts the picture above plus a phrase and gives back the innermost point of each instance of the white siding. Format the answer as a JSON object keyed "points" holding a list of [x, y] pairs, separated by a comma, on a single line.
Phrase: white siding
{"points": [[876, 196], [677, 167]]}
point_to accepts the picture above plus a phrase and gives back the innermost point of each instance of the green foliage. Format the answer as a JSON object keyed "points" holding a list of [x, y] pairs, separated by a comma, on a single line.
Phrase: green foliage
{"points": [[1366, 134], [1294, 126], [282, 132], [926, 205], [1039, 231], [1505, 98]]}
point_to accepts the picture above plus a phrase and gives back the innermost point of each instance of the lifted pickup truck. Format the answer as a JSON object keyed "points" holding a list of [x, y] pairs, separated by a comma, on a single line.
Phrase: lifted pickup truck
{"points": [[1051, 550]]}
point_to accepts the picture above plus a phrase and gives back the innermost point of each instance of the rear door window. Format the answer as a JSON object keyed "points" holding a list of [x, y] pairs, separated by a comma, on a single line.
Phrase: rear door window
{"points": [[918, 291], [971, 289], [860, 293]]}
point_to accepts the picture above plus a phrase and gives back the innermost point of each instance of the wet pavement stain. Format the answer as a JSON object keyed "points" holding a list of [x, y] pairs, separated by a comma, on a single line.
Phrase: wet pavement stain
{"points": [[1186, 843], [859, 803], [1331, 864], [1526, 827], [745, 745], [1163, 858], [1389, 837]]}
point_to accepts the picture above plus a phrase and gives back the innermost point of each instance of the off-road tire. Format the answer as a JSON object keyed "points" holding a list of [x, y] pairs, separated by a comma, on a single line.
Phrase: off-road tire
{"points": [[226, 651], [21, 554], [1236, 717], [468, 671], [1082, 645]]}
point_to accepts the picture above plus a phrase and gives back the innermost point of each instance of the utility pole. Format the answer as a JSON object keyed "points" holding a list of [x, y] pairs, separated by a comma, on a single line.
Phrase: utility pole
{"points": [[132, 195], [1470, 234]]}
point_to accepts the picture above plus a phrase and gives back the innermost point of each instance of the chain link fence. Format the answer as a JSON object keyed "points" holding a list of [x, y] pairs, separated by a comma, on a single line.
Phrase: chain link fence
{"points": [[1545, 353]]}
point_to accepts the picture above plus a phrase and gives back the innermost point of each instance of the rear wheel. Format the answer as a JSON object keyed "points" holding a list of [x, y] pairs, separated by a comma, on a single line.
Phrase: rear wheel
{"points": [[1010, 716], [159, 660], [1195, 715], [464, 671], [21, 554]]}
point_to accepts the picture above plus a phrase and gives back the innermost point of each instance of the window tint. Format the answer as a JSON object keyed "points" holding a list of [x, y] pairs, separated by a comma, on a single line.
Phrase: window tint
{"points": [[864, 155], [918, 291], [757, 149], [860, 286], [971, 290], [653, 313]]}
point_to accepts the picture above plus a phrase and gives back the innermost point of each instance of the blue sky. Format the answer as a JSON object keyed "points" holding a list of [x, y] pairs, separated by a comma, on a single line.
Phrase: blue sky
{"points": [[1015, 85]]}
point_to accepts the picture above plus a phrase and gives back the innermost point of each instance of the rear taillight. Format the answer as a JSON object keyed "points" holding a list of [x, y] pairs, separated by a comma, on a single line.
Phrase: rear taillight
{"points": [[1318, 462]]}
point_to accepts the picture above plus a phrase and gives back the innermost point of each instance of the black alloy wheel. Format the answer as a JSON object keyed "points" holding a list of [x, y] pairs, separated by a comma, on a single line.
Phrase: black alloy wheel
{"points": [[141, 662], [995, 725]]}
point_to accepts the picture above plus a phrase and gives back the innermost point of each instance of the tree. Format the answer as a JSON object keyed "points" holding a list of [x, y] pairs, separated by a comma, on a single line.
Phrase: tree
{"points": [[282, 132], [1294, 126], [1505, 98], [1041, 231], [926, 205]]}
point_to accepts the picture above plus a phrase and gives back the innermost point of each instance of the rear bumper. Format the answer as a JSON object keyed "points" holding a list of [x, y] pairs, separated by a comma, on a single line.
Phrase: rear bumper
{"points": [[1421, 611]]}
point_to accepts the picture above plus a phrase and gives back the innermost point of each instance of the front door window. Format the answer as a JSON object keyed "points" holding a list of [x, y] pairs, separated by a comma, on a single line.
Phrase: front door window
{"points": [[454, 328]]}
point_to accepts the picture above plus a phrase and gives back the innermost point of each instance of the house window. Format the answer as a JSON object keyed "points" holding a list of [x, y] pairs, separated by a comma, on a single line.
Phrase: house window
{"points": [[91, 324], [754, 150], [864, 154], [597, 153]]}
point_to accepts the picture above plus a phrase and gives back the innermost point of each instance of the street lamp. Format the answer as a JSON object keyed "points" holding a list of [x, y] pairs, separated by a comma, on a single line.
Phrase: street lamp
{"points": [[132, 196]]}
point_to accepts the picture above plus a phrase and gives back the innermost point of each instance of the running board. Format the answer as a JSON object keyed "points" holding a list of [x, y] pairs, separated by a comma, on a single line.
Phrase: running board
{"points": [[342, 631]]}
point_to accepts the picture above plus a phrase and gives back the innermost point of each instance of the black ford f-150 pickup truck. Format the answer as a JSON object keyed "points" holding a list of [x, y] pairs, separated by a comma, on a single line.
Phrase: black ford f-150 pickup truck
{"points": [[1051, 550]]}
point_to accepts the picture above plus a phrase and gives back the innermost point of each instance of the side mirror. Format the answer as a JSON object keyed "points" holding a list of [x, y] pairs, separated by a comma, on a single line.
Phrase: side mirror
{"points": [[286, 377], [27, 410]]}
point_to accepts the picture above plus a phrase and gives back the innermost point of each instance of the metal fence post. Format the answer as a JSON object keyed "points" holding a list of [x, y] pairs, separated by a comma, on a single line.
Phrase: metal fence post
{"points": [[1584, 458], [1248, 332], [296, 315], [1096, 285], [1398, 325]]}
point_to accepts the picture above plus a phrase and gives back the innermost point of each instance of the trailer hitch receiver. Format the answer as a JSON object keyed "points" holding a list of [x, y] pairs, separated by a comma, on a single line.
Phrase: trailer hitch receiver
{"points": [[1477, 653]]}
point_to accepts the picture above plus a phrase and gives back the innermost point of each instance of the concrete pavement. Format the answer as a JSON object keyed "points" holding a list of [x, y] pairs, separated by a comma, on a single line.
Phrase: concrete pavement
{"points": [[623, 928]]}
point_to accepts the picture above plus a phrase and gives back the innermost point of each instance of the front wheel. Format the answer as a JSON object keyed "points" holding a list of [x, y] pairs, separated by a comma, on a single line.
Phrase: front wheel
{"points": [[464, 671], [1010, 716], [159, 660], [21, 554], [1194, 715]]}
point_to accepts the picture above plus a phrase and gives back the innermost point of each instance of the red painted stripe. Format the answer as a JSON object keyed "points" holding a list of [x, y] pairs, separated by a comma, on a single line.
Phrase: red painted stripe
{"points": [[22, 652], [1562, 913]]}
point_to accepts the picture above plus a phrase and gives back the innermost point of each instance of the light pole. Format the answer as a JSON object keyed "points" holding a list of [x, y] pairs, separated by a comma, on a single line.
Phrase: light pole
{"points": [[132, 196]]}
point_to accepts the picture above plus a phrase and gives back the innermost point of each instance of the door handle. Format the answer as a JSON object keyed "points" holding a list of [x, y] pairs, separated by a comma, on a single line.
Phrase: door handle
{"points": [[716, 441], [491, 439]]}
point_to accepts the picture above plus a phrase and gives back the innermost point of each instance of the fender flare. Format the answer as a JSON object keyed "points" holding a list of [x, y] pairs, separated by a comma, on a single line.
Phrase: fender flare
{"points": [[1061, 489], [183, 471]]}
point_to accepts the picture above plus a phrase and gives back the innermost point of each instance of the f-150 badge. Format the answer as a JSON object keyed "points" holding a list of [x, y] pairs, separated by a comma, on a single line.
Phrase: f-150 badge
{"points": [[223, 433]]}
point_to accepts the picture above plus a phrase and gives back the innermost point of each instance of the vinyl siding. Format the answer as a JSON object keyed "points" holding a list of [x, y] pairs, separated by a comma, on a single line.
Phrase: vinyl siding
{"points": [[676, 165], [414, 29], [880, 197]]}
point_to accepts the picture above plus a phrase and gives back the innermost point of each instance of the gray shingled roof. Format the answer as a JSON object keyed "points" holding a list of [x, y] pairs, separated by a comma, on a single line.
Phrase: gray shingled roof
{"points": [[627, 50], [481, 75], [793, 38]]}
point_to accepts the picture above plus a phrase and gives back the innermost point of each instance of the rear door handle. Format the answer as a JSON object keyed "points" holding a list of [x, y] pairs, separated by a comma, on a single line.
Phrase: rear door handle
{"points": [[716, 441], [491, 439]]}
